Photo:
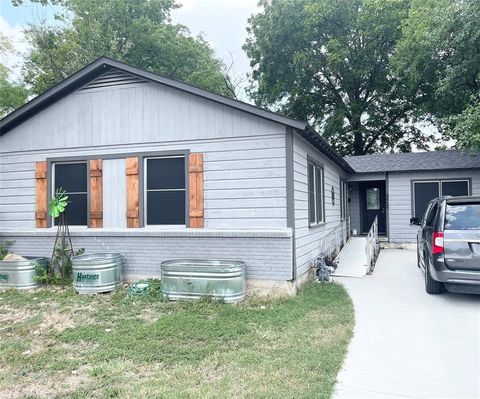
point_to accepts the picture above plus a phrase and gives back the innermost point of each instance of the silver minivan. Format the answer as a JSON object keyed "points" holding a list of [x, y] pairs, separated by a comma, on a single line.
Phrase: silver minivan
{"points": [[448, 244]]}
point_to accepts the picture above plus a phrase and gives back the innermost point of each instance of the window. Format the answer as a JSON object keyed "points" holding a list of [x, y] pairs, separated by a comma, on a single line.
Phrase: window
{"points": [[315, 193], [343, 199], [462, 217], [430, 218], [165, 191], [373, 198], [72, 177], [425, 191]]}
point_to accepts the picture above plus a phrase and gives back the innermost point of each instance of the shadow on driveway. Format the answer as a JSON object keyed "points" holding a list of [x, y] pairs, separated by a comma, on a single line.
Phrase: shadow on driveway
{"points": [[408, 344]]}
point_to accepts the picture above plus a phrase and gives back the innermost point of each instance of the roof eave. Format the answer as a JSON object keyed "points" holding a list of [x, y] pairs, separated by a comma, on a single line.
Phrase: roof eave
{"points": [[314, 138]]}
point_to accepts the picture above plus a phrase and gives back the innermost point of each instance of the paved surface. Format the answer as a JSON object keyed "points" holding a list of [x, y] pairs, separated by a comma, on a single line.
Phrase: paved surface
{"points": [[351, 259], [408, 344]]}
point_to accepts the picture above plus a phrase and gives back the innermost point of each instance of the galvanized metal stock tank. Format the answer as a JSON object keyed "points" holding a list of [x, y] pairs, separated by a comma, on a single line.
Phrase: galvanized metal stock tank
{"points": [[194, 278], [94, 273], [20, 274]]}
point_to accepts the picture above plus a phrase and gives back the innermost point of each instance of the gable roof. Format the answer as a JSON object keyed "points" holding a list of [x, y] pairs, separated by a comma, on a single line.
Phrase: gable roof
{"points": [[104, 64], [413, 161]]}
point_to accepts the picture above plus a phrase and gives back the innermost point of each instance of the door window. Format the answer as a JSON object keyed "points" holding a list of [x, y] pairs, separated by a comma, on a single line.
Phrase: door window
{"points": [[373, 198]]}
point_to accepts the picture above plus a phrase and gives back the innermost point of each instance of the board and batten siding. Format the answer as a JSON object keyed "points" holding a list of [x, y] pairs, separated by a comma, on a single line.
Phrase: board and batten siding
{"points": [[310, 241], [244, 155], [400, 199], [114, 189]]}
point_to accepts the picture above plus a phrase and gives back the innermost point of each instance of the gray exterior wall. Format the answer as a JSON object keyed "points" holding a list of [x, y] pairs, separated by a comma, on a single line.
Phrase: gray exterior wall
{"points": [[268, 254], [310, 241], [354, 206], [244, 155], [400, 199]]}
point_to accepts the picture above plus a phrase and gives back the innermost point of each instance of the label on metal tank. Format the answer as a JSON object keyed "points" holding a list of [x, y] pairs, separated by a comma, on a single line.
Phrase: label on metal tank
{"points": [[4, 277], [87, 277]]}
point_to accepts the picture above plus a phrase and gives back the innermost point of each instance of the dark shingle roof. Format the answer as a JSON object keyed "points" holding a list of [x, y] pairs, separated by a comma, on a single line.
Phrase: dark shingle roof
{"points": [[411, 161]]}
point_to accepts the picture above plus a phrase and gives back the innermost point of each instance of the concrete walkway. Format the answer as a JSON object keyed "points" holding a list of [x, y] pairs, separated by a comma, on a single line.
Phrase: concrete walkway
{"points": [[408, 344]]}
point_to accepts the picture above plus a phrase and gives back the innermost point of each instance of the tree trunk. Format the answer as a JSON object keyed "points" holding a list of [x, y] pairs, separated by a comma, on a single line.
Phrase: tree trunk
{"points": [[358, 144]]}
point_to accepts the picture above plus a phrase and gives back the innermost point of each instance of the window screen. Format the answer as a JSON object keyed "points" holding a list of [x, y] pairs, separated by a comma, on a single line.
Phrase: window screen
{"points": [[455, 188], [315, 193], [165, 191], [423, 193], [72, 177], [311, 193], [343, 199]]}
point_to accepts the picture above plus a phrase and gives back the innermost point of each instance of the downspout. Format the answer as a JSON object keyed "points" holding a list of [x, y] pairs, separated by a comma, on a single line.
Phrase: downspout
{"points": [[290, 203]]}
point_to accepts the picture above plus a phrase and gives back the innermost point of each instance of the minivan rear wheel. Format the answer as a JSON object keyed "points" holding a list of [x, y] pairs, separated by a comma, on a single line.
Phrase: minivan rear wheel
{"points": [[431, 286]]}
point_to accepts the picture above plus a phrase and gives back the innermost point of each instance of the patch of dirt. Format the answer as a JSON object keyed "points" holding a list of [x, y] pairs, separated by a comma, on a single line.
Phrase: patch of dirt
{"points": [[47, 386]]}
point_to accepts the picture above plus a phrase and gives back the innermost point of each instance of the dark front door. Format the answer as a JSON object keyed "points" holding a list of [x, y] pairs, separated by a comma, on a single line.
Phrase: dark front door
{"points": [[373, 203]]}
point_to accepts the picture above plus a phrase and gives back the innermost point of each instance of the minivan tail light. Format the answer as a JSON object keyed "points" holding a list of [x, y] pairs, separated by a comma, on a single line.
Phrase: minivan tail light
{"points": [[437, 240]]}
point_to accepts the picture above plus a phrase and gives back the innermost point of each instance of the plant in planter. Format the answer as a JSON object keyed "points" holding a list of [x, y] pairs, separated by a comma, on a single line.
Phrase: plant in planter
{"points": [[60, 263], [4, 248]]}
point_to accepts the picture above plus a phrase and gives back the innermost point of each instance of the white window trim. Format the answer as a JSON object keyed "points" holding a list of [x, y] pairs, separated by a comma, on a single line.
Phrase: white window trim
{"points": [[52, 193], [145, 190]]}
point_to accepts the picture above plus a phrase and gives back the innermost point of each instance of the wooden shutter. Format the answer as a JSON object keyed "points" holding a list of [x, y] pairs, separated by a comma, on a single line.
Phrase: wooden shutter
{"points": [[41, 194], [132, 192], [96, 193], [195, 170]]}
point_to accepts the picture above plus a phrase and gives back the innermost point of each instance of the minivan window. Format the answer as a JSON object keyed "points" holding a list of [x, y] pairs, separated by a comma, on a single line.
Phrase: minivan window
{"points": [[462, 217], [431, 215]]}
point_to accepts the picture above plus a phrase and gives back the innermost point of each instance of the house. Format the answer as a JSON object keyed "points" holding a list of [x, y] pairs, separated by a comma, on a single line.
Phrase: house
{"points": [[157, 169], [397, 187]]}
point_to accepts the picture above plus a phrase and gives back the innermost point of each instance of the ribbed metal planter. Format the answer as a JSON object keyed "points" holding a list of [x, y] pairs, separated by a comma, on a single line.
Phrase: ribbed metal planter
{"points": [[95, 273], [20, 274], [194, 278]]}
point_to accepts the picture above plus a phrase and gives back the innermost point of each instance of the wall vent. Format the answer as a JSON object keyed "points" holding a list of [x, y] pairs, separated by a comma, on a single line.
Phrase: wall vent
{"points": [[113, 77]]}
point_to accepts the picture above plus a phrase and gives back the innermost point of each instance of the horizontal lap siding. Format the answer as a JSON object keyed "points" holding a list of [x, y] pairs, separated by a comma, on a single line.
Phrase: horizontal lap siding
{"points": [[400, 199], [309, 242], [244, 155]]}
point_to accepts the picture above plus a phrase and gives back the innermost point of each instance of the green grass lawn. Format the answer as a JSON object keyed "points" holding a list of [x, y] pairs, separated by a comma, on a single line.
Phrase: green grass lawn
{"points": [[55, 343]]}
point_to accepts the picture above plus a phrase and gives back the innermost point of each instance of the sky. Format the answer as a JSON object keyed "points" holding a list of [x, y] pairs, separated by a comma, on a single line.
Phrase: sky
{"points": [[221, 22]]}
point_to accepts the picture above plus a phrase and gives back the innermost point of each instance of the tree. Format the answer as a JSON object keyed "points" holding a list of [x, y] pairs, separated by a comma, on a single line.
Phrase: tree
{"points": [[12, 94], [136, 32], [439, 60], [464, 128], [329, 62]]}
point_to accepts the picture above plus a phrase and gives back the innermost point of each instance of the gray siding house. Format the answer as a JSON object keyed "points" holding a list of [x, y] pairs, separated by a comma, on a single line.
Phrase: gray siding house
{"points": [[397, 187], [157, 169]]}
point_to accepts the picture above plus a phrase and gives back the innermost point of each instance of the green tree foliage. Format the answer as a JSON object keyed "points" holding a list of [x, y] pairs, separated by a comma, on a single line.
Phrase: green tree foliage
{"points": [[439, 60], [464, 128], [329, 62], [139, 33], [12, 94]]}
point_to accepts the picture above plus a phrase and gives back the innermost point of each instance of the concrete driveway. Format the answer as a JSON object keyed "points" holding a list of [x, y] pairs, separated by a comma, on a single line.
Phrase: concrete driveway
{"points": [[408, 344]]}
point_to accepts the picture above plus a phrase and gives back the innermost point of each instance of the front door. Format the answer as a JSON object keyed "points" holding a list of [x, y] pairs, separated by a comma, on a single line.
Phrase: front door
{"points": [[373, 203]]}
